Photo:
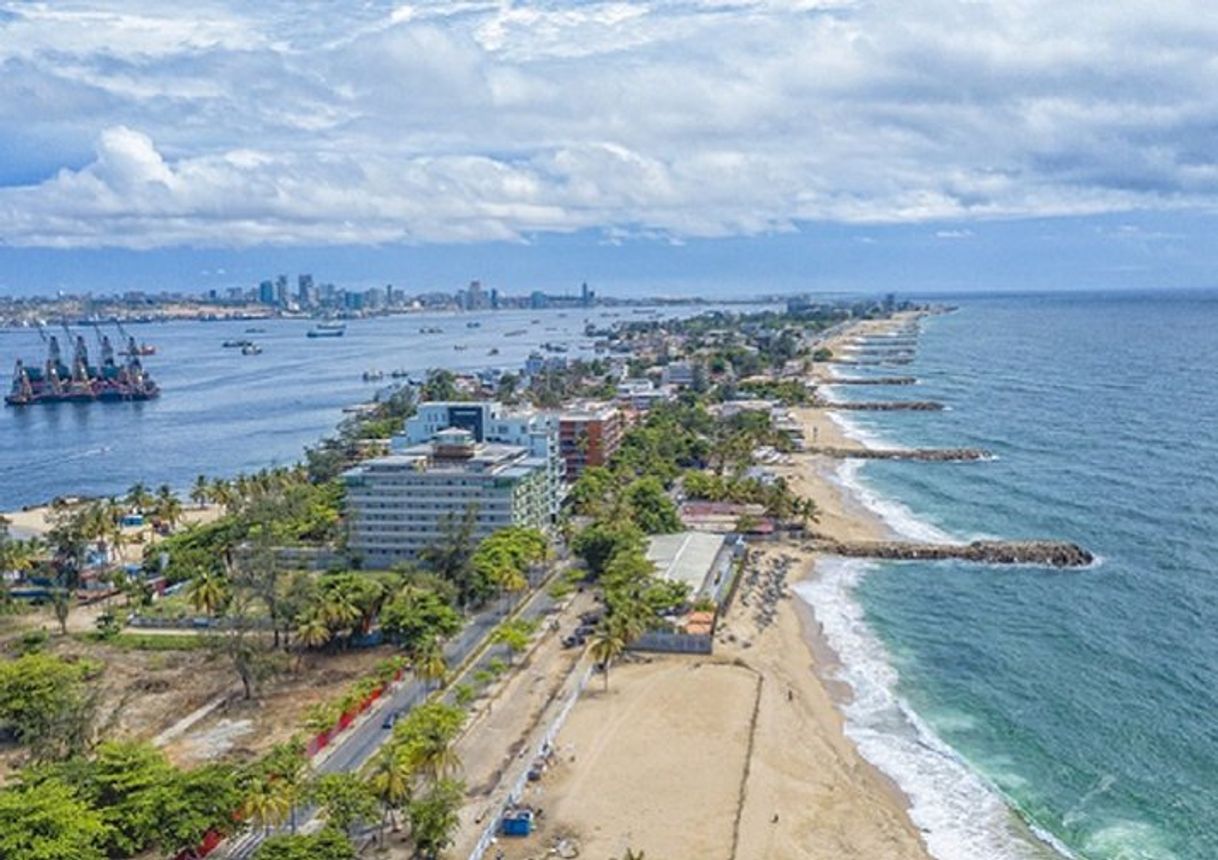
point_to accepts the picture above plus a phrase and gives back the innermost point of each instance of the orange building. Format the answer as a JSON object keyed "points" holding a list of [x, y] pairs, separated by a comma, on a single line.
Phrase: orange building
{"points": [[588, 435]]}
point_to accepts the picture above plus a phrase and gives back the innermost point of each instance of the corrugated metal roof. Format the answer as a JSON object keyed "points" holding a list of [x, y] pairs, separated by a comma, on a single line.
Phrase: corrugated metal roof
{"points": [[685, 556]]}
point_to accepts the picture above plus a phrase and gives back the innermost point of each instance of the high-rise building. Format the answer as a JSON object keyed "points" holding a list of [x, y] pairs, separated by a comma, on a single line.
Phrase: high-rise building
{"points": [[490, 421], [266, 293], [401, 504], [588, 435], [476, 298]]}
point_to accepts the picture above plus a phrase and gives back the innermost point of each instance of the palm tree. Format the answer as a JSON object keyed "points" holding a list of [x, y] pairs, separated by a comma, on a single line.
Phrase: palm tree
{"points": [[433, 754], [138, 497], [607, 646], [267, 804], [200, 493], [207, 591], [168, 507], [313, 631], [430, 665], [389, 775], [222, 494], [337, 611]]}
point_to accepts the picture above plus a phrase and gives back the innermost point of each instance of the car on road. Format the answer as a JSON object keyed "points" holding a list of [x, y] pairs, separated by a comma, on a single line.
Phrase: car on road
{"points": [[390, 719]]}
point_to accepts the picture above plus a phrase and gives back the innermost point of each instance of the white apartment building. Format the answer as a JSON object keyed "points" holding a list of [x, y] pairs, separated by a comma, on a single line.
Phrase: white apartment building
{"points": [[400, 504], [490, 421]]}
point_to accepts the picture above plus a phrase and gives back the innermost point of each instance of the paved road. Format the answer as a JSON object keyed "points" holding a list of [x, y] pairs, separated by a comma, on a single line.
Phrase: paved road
{"points": [[359, 744]]}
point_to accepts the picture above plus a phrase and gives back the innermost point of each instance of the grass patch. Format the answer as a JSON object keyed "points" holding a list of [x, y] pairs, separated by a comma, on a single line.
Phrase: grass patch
{"points": [[148, 641]]}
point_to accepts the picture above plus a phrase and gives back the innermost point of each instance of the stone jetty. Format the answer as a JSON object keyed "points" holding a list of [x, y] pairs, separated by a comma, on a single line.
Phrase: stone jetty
{"points": [[859, 362], [882, 406], [930, 455], [874, 380], [1050, 553]]}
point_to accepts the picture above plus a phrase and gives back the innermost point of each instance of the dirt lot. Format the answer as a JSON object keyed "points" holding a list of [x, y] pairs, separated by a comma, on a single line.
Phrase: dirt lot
{"points": [[145, 692], [244, 729]]}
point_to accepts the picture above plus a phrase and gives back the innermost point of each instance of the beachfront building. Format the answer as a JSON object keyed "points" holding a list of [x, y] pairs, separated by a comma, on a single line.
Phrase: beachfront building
{"points": [[706, 563], [490, 421], [588, 435], [400, 504]]}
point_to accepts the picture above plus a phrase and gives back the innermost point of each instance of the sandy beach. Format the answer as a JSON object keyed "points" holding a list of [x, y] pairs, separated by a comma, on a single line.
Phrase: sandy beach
{"points": [[741, 754]]}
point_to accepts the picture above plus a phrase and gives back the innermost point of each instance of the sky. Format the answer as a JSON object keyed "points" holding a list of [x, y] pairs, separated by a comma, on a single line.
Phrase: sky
{"points": [[706, 147]]}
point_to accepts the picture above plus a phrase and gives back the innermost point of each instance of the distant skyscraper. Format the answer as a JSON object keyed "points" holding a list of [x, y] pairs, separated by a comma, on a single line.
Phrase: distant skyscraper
{"points": [[475, 297], [587, 297], [266, 293], [304, 290]]}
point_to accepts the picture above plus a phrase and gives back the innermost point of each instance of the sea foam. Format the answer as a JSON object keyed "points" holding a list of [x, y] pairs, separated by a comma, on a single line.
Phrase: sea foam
{"points": [[961, 817]]}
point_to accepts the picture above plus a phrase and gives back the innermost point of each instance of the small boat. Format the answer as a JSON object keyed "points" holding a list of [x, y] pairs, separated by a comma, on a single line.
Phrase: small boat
{"points": [[460, 346], [494, 350], [373, 375], [323, 330], [400, 374], [251, 349], [142, 349], [473, 324], [431, 329], [516, 332], [237, 344], [255, 331]]}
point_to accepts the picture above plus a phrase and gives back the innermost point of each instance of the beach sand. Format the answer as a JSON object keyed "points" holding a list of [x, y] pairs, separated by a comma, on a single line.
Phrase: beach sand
{"points": [[742, 754]]}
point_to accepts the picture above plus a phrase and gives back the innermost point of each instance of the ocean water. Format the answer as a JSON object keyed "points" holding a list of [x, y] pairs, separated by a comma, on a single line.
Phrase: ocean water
{"points": [[221, 413], [1030, 712]]}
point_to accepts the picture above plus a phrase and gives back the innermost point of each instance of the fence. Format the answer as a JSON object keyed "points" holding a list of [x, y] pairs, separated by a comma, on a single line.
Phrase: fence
{"points": [[674, 643], [517, 789]]}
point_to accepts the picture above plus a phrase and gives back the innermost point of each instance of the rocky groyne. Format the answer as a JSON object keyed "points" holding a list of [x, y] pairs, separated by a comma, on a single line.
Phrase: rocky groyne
{"points": [[875, 380], [861, 362], [1050, 553], [883, 406], [930, 455]]}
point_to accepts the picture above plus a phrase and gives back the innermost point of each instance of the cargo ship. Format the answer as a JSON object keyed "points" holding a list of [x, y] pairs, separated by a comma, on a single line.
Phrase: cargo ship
{"points": [[81, 382]]}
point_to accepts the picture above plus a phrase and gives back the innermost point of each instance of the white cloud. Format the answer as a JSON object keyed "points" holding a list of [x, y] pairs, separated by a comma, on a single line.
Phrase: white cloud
{"points": [[290, 122]]}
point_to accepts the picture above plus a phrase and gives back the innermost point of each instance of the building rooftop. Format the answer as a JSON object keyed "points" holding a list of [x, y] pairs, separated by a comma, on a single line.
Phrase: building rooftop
{"points": [[686, 556], [588, 411]]}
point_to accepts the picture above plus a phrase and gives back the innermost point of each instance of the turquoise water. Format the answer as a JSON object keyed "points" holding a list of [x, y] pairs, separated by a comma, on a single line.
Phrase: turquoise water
{"points": [[1085, 700]]}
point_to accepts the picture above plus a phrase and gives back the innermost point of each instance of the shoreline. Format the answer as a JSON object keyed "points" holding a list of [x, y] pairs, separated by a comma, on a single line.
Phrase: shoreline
{"points": [[993, 829]]}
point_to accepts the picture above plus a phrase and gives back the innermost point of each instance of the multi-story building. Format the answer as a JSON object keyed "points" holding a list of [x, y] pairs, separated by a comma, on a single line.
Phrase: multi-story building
{"points": [[401, 504], [588, 435], [489, 421]]}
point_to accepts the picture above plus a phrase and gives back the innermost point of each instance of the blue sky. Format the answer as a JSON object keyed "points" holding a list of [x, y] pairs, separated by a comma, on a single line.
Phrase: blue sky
{"points": [[692, 146]]}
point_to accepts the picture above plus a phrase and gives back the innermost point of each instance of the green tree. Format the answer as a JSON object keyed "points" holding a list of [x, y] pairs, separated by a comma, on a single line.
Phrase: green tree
{"points": [[433, 818], [429, 664], [345, 799], [208, 591], [389, 776], [417, 616], [607, 646], [514, 635], [45, 703], [652, 509], [49, 822], [450, 557], [328, 844], [200, 491], [601, 541]]}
